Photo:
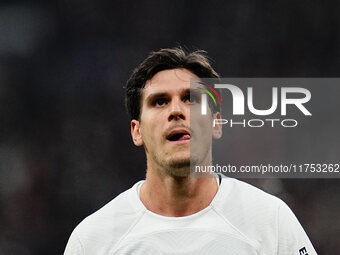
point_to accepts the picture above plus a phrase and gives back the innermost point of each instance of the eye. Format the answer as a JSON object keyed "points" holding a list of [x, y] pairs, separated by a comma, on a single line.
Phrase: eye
{"points": [[159, 102], [191, 99]]}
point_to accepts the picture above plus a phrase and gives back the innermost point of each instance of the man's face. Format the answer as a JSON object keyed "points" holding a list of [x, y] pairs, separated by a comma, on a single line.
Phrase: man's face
{"points": [[164, 127]]}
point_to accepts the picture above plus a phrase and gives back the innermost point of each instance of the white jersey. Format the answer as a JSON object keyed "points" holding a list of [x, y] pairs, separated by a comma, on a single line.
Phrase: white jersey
{"points": [[241, 220]]}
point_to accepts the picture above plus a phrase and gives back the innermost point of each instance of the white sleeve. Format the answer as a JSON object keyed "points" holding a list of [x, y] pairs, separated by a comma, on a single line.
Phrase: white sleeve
{"points": [[292, 239], [74, 246]]}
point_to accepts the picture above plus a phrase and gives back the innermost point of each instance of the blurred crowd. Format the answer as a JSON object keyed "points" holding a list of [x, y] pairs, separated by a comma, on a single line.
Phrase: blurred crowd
{"points": [[65, 146]]}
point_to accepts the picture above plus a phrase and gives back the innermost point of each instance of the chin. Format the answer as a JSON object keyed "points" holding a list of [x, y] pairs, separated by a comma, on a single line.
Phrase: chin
{"points": [[179, 168], [184, 163], [179, 172]]}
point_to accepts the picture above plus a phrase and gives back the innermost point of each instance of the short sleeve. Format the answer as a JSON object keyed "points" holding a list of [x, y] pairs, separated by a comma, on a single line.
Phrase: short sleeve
{"points": [[292, 239]]}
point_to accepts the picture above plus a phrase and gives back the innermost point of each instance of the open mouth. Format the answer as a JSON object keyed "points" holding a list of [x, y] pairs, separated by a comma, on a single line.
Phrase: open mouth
{"points": [[178, 135]]}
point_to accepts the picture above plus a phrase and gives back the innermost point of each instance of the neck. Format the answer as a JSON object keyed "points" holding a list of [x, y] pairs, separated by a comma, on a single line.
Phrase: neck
{"points": [[176, 196]]}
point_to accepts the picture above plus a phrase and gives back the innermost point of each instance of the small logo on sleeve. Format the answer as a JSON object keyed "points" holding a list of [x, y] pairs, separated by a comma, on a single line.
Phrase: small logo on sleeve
{"points": [[303, 251]]}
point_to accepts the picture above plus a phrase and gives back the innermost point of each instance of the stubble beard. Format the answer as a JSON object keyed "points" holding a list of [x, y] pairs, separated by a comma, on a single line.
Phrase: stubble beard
{"points": [[172, 166], [178, 167]]}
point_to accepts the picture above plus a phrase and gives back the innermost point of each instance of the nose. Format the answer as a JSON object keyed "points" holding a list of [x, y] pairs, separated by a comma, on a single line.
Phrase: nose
{"points": [[177, 110]]}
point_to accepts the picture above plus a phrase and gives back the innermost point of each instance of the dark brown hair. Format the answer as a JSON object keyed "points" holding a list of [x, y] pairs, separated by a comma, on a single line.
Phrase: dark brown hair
{"points": [[197, 62]]}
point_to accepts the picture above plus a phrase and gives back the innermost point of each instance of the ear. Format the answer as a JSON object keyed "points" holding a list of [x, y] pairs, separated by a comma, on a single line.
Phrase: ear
{"points": [[217, 129], [135, 133]]}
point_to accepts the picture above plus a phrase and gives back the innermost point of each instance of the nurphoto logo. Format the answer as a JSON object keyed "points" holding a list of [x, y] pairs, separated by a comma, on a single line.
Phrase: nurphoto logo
{"points": [[295, 96]]}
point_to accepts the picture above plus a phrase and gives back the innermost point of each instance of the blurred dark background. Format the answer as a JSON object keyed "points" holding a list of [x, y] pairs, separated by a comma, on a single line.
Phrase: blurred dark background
{"points": [[65, 146]]}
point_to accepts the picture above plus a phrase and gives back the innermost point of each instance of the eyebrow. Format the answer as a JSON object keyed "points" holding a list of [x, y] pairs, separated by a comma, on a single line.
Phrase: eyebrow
{"points": [[152, 96]]}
